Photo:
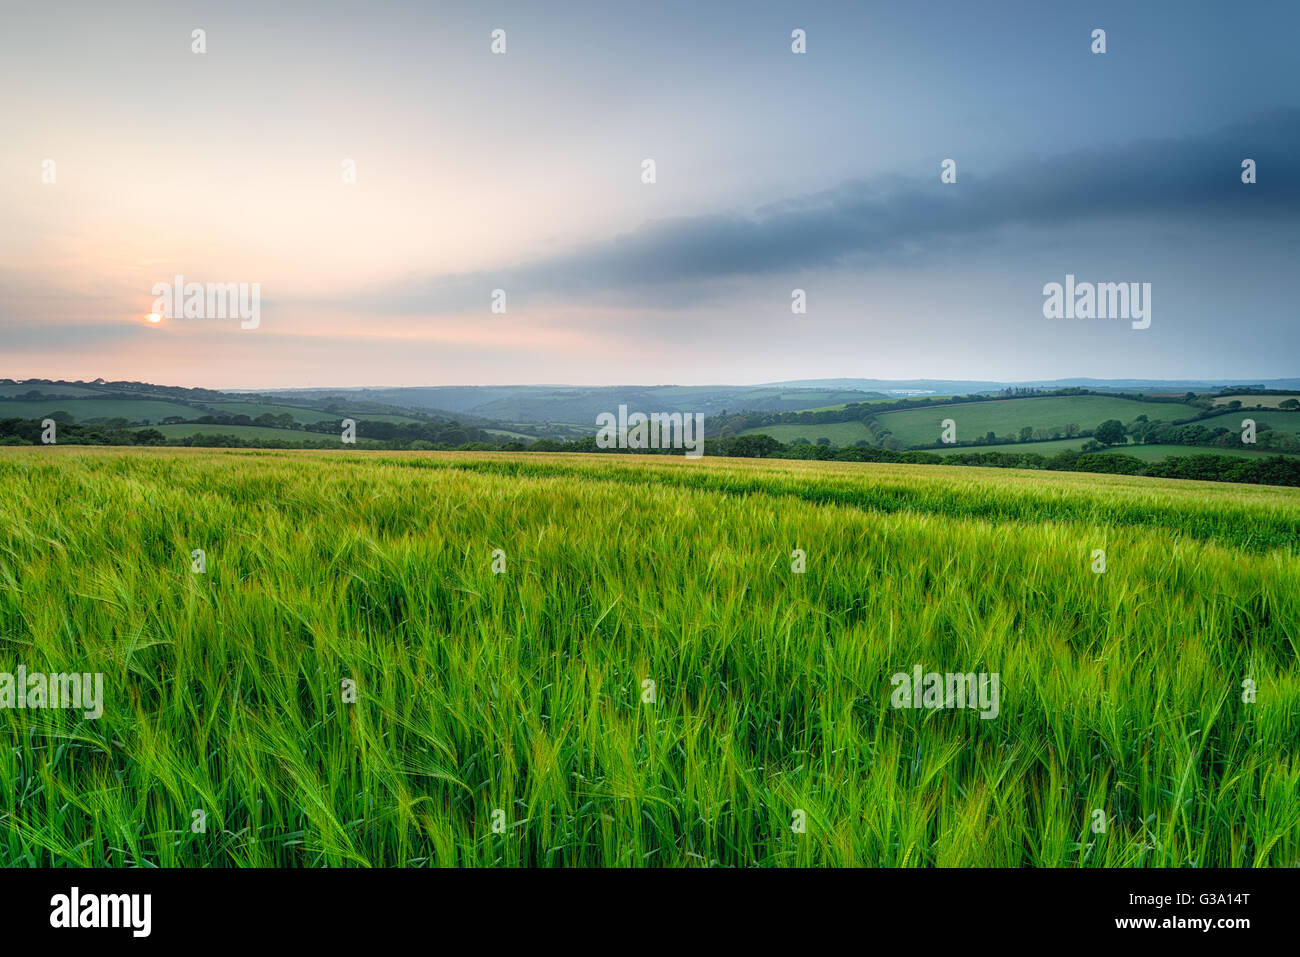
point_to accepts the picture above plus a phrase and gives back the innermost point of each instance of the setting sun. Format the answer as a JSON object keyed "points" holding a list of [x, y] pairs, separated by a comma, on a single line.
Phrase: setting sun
{"points": [[154, 317]]}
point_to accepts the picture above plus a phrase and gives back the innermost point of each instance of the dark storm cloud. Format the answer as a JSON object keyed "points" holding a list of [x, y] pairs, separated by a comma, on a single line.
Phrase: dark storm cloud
{"points": [[1167, 183]]}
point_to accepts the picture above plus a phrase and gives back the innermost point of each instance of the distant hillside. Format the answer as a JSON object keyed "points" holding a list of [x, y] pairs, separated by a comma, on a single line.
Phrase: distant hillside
{"points": [[1247, 433], [1044, 422], [895, 416], [144, 403], [580, 405], [970, 387]]}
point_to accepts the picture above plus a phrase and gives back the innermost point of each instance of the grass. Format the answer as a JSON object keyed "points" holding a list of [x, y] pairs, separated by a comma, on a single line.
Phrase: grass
{"points": [[1046, 449], [1284, 420], [1268, 401], [922, 426], [244, 432], [506, 433], [87, 410], [1154, 453], [522, 692], [1148, 453], [300, 414], [1007, 416], [841, 434], [259, 433], [136, 410], [254, 409], [9, 390]]}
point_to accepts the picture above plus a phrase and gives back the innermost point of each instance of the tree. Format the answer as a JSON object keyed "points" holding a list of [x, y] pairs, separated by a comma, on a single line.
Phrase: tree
{"points": [[1110, 432], [1071, 429], [1289, 404], [1026, 433], [753, 446]]}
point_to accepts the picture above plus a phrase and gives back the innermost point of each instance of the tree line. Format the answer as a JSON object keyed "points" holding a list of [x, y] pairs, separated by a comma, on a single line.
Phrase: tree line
{"points": [[1272, 470]]}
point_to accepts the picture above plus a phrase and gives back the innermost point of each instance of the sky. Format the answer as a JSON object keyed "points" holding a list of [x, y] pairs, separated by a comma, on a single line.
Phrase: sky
{"points": [[129, 159]]}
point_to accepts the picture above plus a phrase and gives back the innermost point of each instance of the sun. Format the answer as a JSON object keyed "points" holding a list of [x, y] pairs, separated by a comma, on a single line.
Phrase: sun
{"points": [[154, 317]]}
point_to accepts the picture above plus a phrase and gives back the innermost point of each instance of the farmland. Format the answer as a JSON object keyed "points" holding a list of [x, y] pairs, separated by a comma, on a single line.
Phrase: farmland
{"points": [[639, 677], [1048, 424], [1250, 401], [252, 432], [1283, 420], [91, 410], [1006, 417], [839, 433], [146, 405], [1148, 453], [1031, 421]]}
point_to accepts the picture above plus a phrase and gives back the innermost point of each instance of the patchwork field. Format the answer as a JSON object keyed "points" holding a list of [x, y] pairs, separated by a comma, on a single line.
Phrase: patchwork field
{"points": [[143, 404], [1249, 401], [1148, 453], [1157, 452], [638, 677], [9, 390], [1282, 419], [91, 410], [1007, 416], [244, 432], [254, 409], [841, 434]]}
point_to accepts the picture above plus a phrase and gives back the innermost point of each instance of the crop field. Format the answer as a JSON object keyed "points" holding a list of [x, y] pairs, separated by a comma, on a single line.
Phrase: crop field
{"points": [[11, 390], [87, 405], [180, 430], [1283, 420], [508, 434], [300, 414], [1157, 452], [1250, 401], [1148, 453], [89, 410], [841, 434], [492, 659], [1008, 416], [254, 409]]}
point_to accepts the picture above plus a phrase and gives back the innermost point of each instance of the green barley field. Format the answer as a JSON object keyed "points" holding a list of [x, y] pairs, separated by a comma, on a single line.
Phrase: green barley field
{"points": [[429, 659]]}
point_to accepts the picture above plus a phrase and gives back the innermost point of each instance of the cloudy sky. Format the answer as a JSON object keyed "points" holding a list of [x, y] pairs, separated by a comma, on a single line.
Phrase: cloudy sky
{"points": [[523, 171]]}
